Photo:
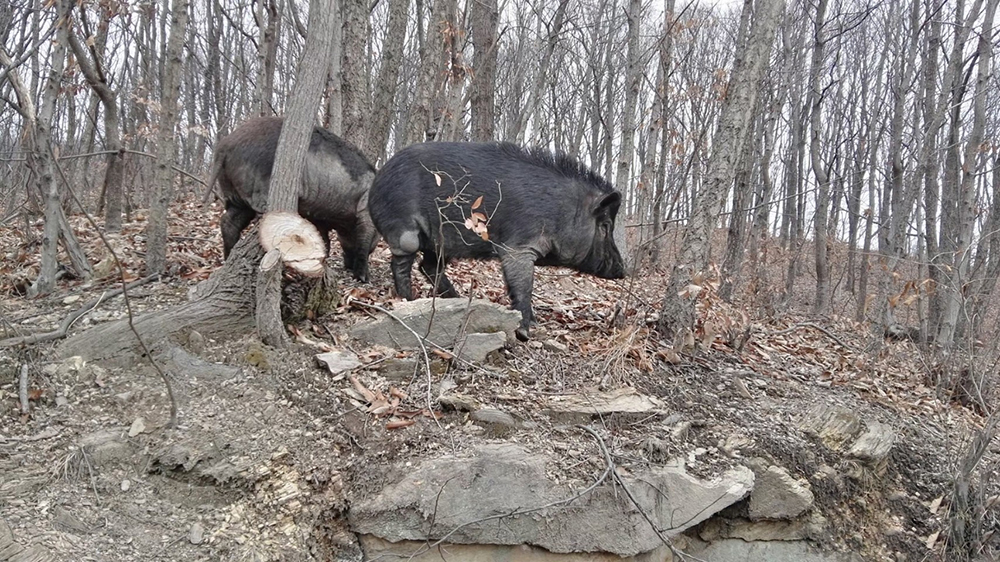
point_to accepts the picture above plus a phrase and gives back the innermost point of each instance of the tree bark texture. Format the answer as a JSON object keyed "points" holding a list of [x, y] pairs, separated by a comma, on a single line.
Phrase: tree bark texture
{"points": [[90, 64], [224, 307], [484, 15], [42, 155], [741, 96], [300, 117], [162, 189], [354, 68], [270, 328], [384, 106]]}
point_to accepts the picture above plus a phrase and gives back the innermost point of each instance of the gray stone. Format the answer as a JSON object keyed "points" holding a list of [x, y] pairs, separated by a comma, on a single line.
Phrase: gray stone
{"points": [[66, 521], [178, 362], [874, 444], [834, 426], [474, 348], [338, 361], [777, 495], [459, 402], [498, 422], [414, 551], [32, 554], [196, 342], [106, 446], [737, 550], [197, 533], [478, 498], [580, 408], [447, 318], [812, 526], [553, 345], [6, 536], [398, 370]]}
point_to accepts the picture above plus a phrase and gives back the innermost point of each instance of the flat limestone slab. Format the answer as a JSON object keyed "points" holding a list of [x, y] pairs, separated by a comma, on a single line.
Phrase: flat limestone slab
{"points": [[501, 495]]}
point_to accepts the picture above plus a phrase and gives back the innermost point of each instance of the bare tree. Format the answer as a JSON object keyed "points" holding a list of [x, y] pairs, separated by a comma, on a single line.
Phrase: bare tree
{"points": [[355, 79], [384, 105], [484, 39], [89, 60], [954, 297], [821, 305], [741, 95], [41, 159], [162, 190]]}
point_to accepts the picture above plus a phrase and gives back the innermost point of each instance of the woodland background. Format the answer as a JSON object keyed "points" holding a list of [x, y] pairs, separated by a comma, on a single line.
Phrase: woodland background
{"points": [[870, 127]]}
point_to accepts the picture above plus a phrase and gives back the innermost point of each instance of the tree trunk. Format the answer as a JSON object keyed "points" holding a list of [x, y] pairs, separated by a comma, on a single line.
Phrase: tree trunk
{"points": [[354, 76], [335, 80], [301, 109], [484, 15], [743, 192], [224, 306], [42, 157], [741, 95], [418, 126], [162, 189], [623, 174], [90, 65], [267, 53], [821, 305], [954, 290], [384, 106], [293, 143]]}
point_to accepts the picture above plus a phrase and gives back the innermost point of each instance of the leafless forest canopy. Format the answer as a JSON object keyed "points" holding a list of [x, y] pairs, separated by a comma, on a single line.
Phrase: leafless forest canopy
{"points": [[873, 135]]}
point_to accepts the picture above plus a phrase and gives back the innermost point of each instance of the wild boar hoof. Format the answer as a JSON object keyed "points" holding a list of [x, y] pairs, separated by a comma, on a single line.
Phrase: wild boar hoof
{"points": [[522, 334]]}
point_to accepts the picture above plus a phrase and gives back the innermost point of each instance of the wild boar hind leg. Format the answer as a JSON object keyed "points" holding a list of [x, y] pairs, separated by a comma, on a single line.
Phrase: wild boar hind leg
{"points": [[519, 274], [432, 267], [232, 223]]}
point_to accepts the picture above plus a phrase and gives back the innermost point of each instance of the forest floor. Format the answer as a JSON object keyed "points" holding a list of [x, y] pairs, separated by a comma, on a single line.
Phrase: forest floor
{"points": [[270, 448]]}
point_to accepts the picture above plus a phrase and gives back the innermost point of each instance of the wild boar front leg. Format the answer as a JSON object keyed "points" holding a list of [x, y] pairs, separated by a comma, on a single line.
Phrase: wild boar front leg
{"points": [[519, 274]]}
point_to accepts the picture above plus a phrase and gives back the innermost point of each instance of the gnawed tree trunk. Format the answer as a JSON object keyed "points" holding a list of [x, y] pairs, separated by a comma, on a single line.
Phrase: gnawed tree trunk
{"points": [[289, 157], [224, 305]]}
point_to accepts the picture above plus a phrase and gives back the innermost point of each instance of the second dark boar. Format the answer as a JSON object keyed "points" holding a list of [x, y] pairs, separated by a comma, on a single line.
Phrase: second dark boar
{"points": [[526, 207], [333, 194]]}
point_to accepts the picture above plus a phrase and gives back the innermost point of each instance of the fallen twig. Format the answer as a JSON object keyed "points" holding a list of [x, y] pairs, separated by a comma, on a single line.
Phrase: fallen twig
{"points": [[72, 317], [22, 390]]}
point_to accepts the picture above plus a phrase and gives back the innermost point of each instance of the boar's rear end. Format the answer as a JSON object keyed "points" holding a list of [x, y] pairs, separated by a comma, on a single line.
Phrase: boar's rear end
{"points": [[333, 194], [526, 207]]}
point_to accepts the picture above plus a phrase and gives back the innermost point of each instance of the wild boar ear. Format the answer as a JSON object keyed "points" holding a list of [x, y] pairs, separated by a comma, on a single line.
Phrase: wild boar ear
{"points": [[608, 205]]}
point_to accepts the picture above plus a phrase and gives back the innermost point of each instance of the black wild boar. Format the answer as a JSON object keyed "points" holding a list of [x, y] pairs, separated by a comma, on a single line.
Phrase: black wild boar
{"points": [[333, 194], [526, 207]]}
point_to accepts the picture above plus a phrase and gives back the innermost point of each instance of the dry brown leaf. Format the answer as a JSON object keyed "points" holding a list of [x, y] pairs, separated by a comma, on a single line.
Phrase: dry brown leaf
{"points": [[399, 424], [369, 395]]}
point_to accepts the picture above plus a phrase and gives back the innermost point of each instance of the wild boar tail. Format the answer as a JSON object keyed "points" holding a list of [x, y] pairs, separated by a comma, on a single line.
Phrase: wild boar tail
{"points": [[212, 180]]}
